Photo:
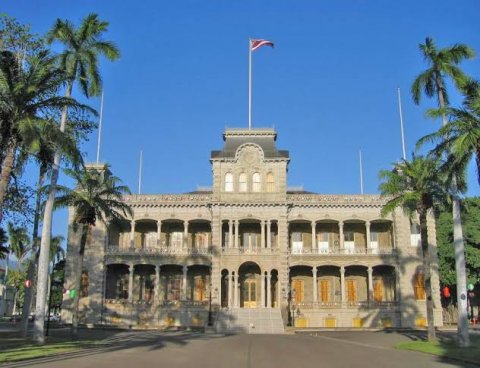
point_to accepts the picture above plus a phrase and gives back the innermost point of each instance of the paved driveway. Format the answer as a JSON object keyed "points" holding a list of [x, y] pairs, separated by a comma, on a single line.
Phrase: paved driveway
{"points": [[175, 349]]}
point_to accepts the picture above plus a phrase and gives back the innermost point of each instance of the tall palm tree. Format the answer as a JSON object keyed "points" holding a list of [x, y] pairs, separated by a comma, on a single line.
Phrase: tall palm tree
{"points": [[444, 63], [460, 137], [97, 197], [24, 93], [416, 186], [47, 138], [79, 60]]}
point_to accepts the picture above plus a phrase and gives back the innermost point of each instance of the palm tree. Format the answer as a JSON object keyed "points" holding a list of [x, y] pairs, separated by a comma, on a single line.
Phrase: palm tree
{"points": [[97, 197], [24, 93], [444, 63], [19, 246], [47, 138], [416, 186], [460, 138], [79, 61]]}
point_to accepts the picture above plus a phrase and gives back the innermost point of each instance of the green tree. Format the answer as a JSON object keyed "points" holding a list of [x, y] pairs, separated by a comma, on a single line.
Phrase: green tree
{"points": [[471, 224], [443, 63], [416, 186], [97, 197], [80, 62]]}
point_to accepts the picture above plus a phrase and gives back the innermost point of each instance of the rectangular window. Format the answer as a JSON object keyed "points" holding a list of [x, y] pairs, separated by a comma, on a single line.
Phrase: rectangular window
{"points": [[174, 287], [378, 290], [297, 291]]}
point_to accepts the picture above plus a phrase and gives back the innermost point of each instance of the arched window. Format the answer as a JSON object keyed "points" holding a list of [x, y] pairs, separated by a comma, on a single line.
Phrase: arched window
{"points": [[228, 182], [419, 286], [256, 183], [242, 181], [270, 183]]}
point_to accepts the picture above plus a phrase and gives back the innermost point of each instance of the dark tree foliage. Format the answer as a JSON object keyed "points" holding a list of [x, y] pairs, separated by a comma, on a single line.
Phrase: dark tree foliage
{"points": [[471, 228]]}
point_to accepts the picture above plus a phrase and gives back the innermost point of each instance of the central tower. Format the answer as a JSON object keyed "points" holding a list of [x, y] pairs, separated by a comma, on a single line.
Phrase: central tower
{"points": [[250, 168]]}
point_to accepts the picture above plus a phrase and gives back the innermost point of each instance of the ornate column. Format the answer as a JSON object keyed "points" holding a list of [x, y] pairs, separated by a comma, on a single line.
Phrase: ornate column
{"points": [[342, 283], [185, 234], [269, 290], [314, 235], [159, 233], [132, 234], [230, 233], [235, 290], [262, 234], [157, 284], [370, 284], [262, 291], [340, 233], [229, 295], [315, 292], [269, 234], [367, 226], [237, 227], [130, 282], [184, 283]]}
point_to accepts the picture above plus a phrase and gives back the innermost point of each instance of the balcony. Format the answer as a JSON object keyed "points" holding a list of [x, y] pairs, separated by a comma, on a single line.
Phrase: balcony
{"points": [[116, 250], [346, 305]]}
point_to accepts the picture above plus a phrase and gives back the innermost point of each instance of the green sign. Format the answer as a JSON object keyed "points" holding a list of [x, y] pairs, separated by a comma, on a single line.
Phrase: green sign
{"points": [[72, 293], [470, 287]]}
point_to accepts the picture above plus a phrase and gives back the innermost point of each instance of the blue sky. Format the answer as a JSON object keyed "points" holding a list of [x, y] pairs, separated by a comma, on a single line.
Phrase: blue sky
{"points": [[329, 86]]}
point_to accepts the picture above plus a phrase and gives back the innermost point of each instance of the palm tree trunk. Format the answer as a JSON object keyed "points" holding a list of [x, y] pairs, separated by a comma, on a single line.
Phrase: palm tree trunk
{"points": [[78, 278], [27, 304], [427, 273], [7, 167], [463, 337], [44, 258]]}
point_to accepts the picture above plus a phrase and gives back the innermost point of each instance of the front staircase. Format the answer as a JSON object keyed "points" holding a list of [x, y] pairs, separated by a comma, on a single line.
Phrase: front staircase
{"points": [[250, 321]]}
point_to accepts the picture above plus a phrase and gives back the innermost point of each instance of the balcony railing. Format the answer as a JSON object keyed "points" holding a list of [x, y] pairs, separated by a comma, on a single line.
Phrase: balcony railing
{"points": [[163, 303], [115, 250], [346, 305], [349, 251], [242, 251]]}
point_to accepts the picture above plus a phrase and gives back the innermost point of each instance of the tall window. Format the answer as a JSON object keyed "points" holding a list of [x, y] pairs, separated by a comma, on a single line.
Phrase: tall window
{"points": [[84, 283], [228, 182], [419, 286], [242, 182], [176, 239], [256, 183], [270, 183]]}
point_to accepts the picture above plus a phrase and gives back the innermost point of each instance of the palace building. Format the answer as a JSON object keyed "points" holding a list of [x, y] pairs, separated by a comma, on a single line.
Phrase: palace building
{"points": [[251, 254]]}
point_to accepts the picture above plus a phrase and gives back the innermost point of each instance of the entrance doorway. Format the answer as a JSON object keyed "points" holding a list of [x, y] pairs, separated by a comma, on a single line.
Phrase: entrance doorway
{"points": [[250, 293], [250, 282]]}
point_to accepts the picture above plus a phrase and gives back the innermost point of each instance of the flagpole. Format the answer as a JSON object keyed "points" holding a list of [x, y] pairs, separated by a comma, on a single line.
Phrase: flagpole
{"points": [[249, 84], [361, 171], [401, 124], [100, 130], [140, 173]]}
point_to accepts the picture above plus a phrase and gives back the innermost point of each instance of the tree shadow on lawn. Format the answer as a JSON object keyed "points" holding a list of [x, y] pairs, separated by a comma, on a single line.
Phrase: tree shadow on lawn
{"points": [[106, 340]]}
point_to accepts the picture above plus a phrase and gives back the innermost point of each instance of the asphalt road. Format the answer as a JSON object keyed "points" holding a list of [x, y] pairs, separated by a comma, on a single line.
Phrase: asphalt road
{"points": [[176, 349]]}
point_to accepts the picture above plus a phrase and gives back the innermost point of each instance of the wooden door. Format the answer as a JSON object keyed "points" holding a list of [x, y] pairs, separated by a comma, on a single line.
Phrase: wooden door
{"points": [[297, 291], [351, 291], [378, 290], [250, 293], [199, 289], [324, 291]]}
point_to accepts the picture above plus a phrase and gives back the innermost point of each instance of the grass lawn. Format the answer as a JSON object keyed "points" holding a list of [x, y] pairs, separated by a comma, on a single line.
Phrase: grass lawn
{"points": [[34, 351], [447, 349]]}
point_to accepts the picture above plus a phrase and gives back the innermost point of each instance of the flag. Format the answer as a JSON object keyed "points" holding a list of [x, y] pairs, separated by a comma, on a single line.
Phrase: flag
{"points": [[256, 44]]}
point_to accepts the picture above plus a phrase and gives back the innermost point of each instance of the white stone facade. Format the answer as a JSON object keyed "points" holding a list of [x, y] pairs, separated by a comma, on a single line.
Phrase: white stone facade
{"points": [[250, 242]]}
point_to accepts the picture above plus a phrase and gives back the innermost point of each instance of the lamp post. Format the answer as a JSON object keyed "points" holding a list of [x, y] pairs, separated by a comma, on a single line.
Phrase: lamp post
{"points": [[53, 282], [210, 321]]}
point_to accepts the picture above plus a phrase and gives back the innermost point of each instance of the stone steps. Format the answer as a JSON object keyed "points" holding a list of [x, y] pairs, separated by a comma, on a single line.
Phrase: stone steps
{"points": [[251, 321]]}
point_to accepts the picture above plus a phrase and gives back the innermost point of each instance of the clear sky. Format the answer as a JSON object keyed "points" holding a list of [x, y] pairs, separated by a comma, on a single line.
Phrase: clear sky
{"points": [[329, 87]]}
